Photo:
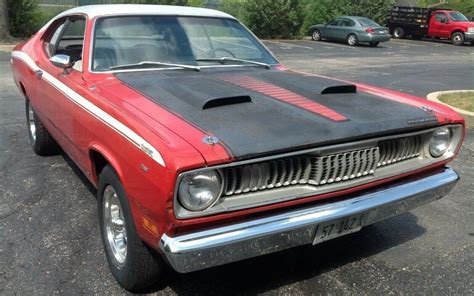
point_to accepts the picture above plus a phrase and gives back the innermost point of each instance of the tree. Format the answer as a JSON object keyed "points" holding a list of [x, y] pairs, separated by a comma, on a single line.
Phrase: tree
{"points": [[4, 31], [273, 18]]}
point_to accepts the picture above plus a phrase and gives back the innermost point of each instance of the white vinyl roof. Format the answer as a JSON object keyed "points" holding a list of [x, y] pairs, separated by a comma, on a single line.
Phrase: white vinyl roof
{"points": [[139, 9], [121, 9]]}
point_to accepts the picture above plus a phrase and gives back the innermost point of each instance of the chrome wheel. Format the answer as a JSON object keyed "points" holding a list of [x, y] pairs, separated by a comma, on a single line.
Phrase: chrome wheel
{"points": [[114, 224], [316, 35], [31, 122], [352, 40]]}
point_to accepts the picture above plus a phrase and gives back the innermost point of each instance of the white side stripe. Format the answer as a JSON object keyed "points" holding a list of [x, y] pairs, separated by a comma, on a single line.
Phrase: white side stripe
{"points": [[93, 109]]}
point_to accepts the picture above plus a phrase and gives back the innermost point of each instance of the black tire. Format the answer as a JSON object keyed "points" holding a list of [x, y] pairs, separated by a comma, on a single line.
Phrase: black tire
{"points": [[352, 40], [457, 38], [40, 139], [374, 44], [316, 35], [398, 33], [142, 267]]}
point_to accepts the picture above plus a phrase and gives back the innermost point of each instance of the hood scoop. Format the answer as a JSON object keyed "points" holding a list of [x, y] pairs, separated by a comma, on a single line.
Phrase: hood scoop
{"points": [[219, 102], [339, 89]]}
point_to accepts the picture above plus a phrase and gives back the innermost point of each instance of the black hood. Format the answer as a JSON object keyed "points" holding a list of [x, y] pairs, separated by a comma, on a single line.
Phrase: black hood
{"points": [[256, 112]]}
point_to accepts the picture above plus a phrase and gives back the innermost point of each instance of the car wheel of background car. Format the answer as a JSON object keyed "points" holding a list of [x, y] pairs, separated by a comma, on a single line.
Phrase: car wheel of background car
{"points": [[398, 33], [374, 44], [135, 266], [457, 38], [41, 141], [352, 40], [316, 35]]}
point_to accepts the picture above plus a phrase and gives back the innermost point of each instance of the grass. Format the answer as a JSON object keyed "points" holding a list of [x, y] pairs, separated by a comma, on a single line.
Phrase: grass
{"points": [[461, 100]]}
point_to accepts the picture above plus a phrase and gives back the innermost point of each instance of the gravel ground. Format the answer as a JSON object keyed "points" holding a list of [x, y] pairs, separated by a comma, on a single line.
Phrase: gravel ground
{"points": [[49, 231]]}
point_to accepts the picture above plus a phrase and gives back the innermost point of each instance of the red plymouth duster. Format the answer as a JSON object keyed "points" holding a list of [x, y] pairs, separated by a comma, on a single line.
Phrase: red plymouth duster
{"points": [[205, 150]]}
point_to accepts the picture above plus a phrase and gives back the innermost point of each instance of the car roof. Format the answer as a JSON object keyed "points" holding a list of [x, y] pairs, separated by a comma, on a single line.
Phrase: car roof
{"points": [[93, 11], [124, 9]]}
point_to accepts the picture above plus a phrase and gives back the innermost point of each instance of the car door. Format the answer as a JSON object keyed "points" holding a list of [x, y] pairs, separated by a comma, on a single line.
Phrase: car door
{"points": [[330, 30], [439, 26], [64, 37], [346, 26]]}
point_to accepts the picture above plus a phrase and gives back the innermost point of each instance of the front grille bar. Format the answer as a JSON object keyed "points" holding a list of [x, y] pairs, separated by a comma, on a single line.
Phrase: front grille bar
{"points": [[319, 170]]}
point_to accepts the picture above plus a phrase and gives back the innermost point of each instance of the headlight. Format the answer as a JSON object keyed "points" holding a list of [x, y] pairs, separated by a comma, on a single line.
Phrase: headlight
{"points": [[470, 30], [198, 191], [440, 141]]}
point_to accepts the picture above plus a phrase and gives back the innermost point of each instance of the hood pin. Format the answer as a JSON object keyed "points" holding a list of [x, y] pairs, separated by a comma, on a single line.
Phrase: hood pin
{"points": [[210, 140]]}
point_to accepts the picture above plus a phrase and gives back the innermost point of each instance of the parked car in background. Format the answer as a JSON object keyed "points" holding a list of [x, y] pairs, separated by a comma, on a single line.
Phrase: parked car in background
{"points": [[351, 29], [205, 150], [419, 22]]}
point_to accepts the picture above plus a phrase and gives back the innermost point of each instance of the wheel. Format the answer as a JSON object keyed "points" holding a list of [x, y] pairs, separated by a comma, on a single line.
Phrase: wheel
{"points": [[457, 38], [135, 266], [316, 35], [352, 40], [41, 141], [398, 33], [374, 44]]}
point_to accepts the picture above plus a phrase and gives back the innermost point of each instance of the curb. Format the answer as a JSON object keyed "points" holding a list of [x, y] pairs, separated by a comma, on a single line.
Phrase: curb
{"points": [[434, 97]]}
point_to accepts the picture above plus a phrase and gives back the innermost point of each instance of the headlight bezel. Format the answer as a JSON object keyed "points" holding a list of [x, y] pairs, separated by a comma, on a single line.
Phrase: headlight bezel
{"points": [[447, 142], [194, 174], [470, 30]]}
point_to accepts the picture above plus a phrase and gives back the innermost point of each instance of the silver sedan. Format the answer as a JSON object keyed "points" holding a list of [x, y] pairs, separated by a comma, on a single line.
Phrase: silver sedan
{"points": [[351, 29]]}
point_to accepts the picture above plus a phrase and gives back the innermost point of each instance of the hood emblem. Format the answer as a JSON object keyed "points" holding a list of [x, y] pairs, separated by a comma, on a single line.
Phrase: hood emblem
{"points": [[210, 140], [426, 109]]}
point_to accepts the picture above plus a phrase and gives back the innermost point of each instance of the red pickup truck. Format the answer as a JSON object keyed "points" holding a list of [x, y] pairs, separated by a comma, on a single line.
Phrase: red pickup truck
{"points": [[439, 23]]}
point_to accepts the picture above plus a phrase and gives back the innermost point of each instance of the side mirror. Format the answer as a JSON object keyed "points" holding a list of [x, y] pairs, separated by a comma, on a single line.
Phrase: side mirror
{"points": [[62, 61]]}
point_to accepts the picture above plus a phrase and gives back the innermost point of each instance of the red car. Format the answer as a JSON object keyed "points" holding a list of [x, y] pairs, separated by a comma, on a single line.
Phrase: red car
{"points": [[205, 150]]}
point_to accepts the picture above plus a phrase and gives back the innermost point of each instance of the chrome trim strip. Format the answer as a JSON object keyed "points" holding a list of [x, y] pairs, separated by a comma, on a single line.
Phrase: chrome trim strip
{"points": [[92, 109], [221, 245]]}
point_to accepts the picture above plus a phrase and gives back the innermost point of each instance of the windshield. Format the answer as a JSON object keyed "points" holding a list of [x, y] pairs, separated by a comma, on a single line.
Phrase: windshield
{"points": [[458, 17], [365, 22], [193, 41]]}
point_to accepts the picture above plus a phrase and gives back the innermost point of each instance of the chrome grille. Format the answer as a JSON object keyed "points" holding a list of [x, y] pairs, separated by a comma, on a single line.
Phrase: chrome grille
{"points": [[319, 170], [395, 150], [312, 170]]}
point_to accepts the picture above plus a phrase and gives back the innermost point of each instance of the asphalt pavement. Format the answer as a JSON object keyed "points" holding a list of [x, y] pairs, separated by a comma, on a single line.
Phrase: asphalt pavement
{"points": [[49, 235]]}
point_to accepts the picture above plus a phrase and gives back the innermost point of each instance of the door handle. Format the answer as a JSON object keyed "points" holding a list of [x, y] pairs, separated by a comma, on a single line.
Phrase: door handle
{"points": [[38, 73]]}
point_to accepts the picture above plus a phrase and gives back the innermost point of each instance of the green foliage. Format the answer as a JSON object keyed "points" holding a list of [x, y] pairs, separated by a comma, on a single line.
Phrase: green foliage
{"points": [[24, 18], [233, 7], [273, 18]]}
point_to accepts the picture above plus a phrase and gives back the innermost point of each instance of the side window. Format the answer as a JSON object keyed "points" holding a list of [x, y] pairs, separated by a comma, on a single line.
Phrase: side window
{"points": [[52, 40], [441, 17], [67, 38], [347, 23], [333, 22]]}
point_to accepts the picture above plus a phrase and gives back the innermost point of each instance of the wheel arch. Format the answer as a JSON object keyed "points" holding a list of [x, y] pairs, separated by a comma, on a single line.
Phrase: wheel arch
{"points": [[99, 158], [457, 31]]}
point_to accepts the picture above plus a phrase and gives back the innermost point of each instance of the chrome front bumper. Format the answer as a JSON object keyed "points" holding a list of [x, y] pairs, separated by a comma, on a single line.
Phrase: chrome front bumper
{"points": [[221, 245]]}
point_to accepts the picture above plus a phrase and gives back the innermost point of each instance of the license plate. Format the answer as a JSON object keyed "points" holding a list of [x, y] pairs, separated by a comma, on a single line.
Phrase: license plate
{"points": [[329, 230], [382, 31]]}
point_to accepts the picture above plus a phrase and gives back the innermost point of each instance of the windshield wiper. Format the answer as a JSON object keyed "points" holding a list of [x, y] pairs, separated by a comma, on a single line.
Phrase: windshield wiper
{"points": [[149, 63], [227, 59]]}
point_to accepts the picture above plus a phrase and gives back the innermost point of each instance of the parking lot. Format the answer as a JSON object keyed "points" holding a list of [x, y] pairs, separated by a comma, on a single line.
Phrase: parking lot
{"points": [[50, 240]]}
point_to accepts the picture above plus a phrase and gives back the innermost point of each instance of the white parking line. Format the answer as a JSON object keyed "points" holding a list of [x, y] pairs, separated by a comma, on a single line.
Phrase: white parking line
{"points": [[287, 44], [405, 43], [328, 43]]}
